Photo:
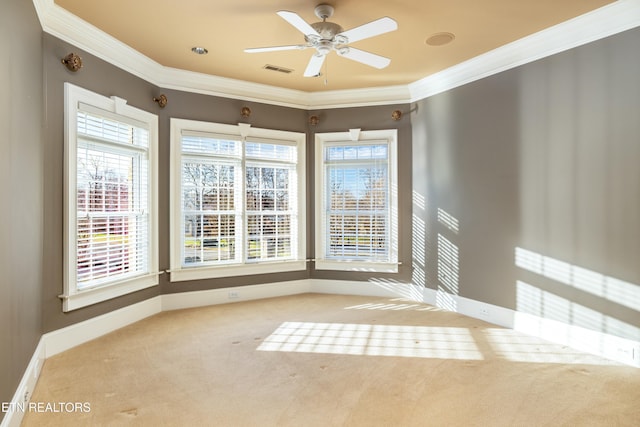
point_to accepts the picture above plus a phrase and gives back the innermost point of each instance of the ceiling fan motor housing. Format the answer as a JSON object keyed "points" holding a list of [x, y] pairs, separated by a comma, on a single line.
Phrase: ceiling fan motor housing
{"points": [[329, 38], [327, 30]]}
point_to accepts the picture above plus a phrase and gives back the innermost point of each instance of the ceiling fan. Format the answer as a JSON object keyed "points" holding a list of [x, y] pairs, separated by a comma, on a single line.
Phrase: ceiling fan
{"points": [[327, 36]]}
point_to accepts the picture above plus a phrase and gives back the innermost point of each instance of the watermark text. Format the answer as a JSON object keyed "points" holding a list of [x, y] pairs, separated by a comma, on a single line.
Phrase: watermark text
{"points": [[53, 407]]}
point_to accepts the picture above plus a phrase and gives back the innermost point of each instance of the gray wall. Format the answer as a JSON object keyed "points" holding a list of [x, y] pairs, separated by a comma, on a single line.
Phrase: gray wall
{"points": [[107, 80], [21, 159], [544, 158]]}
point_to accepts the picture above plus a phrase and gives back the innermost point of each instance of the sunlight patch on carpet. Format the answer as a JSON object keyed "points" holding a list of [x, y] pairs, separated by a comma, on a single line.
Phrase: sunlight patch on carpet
{"points": [[516, 347], [433, 342]]}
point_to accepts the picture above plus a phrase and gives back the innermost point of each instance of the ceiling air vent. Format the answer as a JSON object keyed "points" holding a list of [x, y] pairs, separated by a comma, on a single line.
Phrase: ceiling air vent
{"points": [[278, 69]]}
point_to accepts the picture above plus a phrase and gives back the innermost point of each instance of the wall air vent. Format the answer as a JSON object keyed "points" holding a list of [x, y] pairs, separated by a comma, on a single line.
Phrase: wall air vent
{"points": [[278, 69]]}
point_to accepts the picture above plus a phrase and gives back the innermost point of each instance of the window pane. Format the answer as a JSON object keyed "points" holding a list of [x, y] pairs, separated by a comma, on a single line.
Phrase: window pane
{"points": [[209, 212], [282, 178], [253, 177], [267, 178], [357, 202], [267, 202], [282, 200], [253, 198], [192, 239], [284, 225], [111, 204]]}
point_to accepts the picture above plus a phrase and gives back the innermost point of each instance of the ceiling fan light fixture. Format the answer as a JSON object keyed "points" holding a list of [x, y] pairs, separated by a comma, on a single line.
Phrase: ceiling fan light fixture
{"points": [[324, 48]]}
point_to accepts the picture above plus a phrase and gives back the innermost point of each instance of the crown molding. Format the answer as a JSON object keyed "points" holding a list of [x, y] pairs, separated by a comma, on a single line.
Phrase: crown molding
{"points": [[611, 19], [359, 97], [608, 20]]}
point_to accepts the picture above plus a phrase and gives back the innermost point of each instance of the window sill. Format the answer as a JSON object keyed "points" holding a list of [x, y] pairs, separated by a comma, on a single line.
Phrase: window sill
{"points": [[95, 295], [361, 266], [198, 273]]}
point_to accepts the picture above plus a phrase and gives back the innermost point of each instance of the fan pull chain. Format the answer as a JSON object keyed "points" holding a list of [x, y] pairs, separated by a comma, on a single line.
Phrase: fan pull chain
{"points": [[326, 75]]}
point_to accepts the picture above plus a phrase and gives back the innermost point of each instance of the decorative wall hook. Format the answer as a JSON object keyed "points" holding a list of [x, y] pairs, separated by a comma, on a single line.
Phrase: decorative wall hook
{"points": [[245, 112], [73, 62], [396, 115], [314, 120], [161, 100]]}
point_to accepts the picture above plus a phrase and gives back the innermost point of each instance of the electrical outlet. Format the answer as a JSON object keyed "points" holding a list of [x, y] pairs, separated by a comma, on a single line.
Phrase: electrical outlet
{"points": [[626, 353], [234, 294]]}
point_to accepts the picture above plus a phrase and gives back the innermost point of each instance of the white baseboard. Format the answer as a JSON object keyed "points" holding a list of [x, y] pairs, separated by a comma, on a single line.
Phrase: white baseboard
{"points": [[599, 343], [182, 300], [17, 406], [372, 288], [71, 336], [66, 338]]}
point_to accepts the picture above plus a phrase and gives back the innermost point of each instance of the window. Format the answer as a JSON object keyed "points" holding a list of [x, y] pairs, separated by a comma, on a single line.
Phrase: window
{"points": [[356, 201], [237, 200], [110, 198]]}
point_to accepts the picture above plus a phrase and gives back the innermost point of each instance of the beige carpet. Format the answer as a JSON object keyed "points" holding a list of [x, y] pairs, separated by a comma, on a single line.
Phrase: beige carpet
{"points": [[327, 360]]}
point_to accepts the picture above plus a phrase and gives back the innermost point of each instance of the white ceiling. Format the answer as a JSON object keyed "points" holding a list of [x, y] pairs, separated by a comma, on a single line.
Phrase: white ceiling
{"points": [[166, 30]]}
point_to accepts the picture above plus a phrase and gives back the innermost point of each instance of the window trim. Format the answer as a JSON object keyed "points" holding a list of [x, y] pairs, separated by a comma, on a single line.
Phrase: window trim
{"points": [[242, 131], [79, 99], [390, 136]]}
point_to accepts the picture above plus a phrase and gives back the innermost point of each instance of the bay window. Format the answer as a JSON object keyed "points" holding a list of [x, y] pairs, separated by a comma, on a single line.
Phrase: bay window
{"points": [[237, 200]]}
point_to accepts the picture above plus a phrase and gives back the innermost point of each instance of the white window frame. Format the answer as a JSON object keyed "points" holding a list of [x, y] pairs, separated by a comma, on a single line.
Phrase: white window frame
{"points": [[242, 132], [355, 137], [79, 99]]}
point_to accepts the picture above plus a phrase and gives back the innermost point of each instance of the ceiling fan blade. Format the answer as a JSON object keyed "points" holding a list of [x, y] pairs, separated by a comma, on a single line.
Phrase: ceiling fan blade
{"points": [[300, 24], [374, 28], [275, 48], [364, 57], [315, 64]]}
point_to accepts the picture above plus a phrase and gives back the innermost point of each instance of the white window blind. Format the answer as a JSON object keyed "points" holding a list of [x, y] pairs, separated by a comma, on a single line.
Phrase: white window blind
{"points": [[357, 202], [110, 198]]}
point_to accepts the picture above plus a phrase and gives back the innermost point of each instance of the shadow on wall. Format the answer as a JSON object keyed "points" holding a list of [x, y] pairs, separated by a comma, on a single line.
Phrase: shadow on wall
{"points": [[621, 296], [446, 256], [418, 243], [448, 263]]}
